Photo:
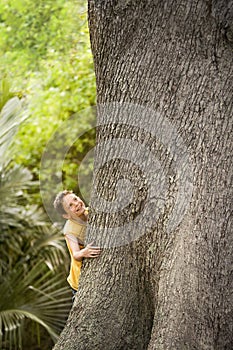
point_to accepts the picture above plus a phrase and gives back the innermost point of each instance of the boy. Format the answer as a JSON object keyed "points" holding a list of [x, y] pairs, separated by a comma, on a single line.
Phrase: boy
{"points": [[73, 209]]}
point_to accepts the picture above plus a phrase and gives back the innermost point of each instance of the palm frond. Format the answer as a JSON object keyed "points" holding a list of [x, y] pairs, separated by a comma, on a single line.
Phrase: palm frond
{"points": [[10, 118], [5, 94], [50, 246], [36, 295], [14, 181]]}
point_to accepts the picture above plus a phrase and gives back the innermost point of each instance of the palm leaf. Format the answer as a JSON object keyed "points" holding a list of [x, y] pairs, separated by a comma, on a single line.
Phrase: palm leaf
{"points": [[5, 94], [11, 116], [14, 180], [36, 295], [49, 245], [10, 119]]}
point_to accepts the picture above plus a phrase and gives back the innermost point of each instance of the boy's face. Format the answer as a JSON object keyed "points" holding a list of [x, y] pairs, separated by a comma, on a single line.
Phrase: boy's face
{"points": [[73, 206]]}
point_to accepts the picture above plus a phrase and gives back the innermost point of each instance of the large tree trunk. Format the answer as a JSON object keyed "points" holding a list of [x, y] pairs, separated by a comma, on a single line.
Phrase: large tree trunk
{"points": [[167, 65]]}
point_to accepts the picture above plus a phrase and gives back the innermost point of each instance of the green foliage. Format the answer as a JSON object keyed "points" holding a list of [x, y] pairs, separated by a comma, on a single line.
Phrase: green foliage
{"points": [[9, 125], [47, 59], [5, 93], [32, 254]]}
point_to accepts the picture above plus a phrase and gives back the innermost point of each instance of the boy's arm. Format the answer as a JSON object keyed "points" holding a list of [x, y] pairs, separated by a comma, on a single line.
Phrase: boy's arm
{"points": [[77, 253], [74, 247]]}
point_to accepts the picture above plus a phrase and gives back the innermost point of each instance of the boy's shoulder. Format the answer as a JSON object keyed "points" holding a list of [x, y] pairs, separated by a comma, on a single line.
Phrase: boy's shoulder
{"points": [[73, 227]]}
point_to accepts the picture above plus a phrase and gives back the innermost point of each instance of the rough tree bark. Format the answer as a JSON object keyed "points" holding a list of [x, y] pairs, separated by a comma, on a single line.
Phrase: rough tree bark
{"points": [[163, 290]]}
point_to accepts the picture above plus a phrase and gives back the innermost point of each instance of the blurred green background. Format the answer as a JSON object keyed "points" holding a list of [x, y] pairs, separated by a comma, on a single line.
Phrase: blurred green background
{"points": [[47, 79]]}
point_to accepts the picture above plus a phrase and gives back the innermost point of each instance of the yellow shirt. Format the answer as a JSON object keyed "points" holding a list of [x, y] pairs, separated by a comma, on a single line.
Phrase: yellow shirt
{"points": [[76, 231]]}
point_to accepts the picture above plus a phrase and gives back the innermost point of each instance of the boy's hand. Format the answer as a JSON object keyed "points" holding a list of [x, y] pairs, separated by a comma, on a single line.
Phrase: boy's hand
{"points": [[90, 251]]}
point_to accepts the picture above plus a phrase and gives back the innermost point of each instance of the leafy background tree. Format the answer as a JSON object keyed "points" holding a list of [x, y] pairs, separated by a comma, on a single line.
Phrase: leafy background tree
{"points": [[47, 59], [46, 72]]}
